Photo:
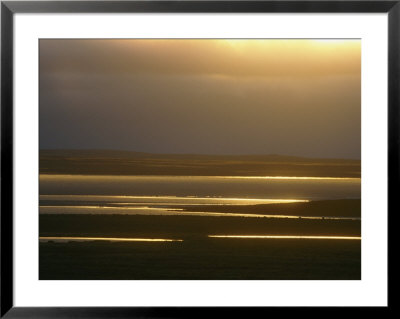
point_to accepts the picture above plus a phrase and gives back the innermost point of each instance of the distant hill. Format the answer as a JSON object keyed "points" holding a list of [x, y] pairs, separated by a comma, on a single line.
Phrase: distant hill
{"points": [[110, 162]]}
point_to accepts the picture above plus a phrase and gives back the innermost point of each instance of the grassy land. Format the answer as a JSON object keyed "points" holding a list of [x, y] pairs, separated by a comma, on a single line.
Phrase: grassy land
{"points": [[197, 257], [350, 208], [211, 259], [332, 208], [133, 163], [188, 227], [200, 257]]}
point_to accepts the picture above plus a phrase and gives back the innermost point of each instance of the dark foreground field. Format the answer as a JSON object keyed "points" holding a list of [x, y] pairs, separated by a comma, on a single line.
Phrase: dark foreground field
{"points": [[189, 227], [197, 256], [203, 259]]}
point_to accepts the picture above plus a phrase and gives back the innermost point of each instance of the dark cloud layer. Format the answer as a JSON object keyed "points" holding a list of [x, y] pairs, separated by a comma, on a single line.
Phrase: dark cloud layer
{"points": [[196, 96]]}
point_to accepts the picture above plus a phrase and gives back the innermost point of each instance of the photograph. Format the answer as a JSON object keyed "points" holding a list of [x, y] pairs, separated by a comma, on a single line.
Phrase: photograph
{"points": [[199, 159]]}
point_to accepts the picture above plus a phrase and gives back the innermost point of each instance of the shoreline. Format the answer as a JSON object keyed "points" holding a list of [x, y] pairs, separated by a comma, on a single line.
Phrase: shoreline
{"points": [[130, 163]]}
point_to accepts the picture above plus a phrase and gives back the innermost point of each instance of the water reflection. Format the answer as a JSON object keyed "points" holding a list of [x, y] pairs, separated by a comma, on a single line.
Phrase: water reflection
{"points": [[293, 177], [201, 187], [164, 200], [145, 210], [286, 237], [66, 239]]}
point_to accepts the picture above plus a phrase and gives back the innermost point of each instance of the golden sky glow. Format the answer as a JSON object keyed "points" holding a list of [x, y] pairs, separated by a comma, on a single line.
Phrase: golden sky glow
{"points": [[207, 96], [228, 57]]}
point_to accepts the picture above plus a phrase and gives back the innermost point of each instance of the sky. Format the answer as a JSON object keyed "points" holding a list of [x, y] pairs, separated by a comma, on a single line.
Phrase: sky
{"points": [[226, 96]]}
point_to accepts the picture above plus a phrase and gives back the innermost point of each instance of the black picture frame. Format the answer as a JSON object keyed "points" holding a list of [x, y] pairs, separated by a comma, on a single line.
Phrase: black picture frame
{"points": [[9, 8]]}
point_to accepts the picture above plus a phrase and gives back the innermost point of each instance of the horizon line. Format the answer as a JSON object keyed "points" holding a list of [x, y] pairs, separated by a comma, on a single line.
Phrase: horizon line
{"points": [[197, 154]]}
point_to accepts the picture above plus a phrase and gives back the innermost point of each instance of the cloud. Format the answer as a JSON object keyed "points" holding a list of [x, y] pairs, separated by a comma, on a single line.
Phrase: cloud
{"points": [[188, 109]]}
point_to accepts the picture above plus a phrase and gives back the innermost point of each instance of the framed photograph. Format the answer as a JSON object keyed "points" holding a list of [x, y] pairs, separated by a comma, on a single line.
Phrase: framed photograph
{"points": [[173, 158]]}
